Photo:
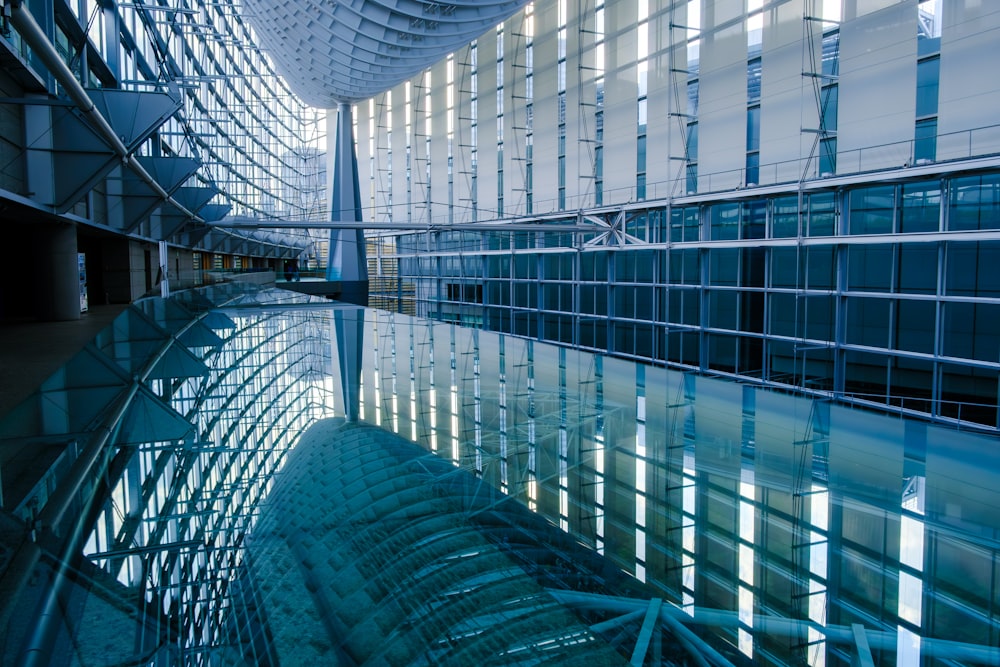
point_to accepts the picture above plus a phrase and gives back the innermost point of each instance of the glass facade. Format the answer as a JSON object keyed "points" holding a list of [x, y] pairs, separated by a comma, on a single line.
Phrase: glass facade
{"points": [[792, 244], [142, 125]]}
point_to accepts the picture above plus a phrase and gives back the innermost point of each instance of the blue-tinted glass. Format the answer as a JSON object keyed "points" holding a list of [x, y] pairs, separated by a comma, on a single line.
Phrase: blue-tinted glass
{"points": [[753, 81], [640, 153], [640, 186], [784, 267], [828, 156], [752, 176], [918, 264], [819, 317], [871, 210], [724, 266], [692, 97], [921, 207], [822, 214], [868, 322], [869, 268], [753, 129], [785, 217], [971, 269], [691, 173], [928, 76], [830, 99], [782, 314], [692, 141], [925, 140], [975, 202], [831, 54], [820, 268], [722, 309], [725, 220], [754, 219], [928, 45], [913, 330]]}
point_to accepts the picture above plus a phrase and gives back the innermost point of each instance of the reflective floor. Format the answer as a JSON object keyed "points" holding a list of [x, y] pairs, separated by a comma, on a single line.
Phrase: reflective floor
{"points": [[776, 529]]}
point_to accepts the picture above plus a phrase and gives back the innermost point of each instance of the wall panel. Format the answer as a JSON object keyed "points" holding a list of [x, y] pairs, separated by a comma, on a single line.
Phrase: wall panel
{"points": [[878, 83], [968, 96]]}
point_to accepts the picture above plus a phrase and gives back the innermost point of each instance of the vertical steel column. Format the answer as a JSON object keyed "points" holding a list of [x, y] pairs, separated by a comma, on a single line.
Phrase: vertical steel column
{"points": [[347, 262]]}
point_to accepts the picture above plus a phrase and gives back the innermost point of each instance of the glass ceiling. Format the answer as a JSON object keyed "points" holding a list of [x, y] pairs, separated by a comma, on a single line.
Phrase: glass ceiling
{"points": [[724, 523]]}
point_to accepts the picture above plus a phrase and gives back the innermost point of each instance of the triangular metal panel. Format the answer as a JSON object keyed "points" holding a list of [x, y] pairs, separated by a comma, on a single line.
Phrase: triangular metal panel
{"points": [[173, 317], [215, 212], [165, 225], [70, 400], [178, 362], [200, 336], [193, 234], [139, 199], [217, 321], [193, 300], [166, 312], [194, 198], [81, 158], [133, 340], [149, 419], [134, 115], [170, 172]]}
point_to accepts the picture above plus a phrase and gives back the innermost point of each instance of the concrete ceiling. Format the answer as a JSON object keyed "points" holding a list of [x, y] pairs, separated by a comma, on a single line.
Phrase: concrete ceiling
{"points": [[345, 51]]}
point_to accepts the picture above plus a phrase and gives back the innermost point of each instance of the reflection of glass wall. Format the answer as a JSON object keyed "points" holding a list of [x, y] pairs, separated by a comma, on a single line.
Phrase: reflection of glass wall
{"points": [[177, 418], [774, 526], [738, 503]]}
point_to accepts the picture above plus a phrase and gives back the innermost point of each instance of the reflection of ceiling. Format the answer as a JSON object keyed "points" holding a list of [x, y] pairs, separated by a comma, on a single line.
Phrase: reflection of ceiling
{"points": [[347, 51]]}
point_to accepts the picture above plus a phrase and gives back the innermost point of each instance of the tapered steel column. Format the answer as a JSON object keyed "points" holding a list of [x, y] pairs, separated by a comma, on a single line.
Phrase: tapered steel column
{"points": [[347, 262]]}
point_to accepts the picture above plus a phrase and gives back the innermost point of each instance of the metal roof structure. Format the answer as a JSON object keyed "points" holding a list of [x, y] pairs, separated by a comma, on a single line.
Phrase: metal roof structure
{"points": [[332, 52]]}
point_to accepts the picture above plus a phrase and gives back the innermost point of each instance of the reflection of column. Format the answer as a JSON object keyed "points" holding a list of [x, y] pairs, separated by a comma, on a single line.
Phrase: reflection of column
{"points": [[532, 443], [454, 396], [640, 473], [563, 445], [819, 520], [689, 494], [502, 405], [413, 383], [477, 392], [395, 387], [431, 389], [747, 523], [746, 557], [599, 456], [347, 262], [348, 340], [911, 570]]}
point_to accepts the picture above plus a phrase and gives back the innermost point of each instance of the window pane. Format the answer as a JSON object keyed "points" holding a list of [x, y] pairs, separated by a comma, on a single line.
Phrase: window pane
{"points": [[925, 141], [915, 325], [869, 268], [918, 264], [725, 221], [868, 322], [785, 217], [928, 75], [975, 202], [921, 207], [871, 210]]}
